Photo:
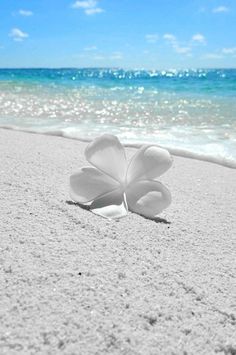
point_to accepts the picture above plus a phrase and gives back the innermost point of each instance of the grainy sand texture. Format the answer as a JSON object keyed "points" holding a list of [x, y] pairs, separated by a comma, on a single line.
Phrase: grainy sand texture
{"points": [[75, 283]]}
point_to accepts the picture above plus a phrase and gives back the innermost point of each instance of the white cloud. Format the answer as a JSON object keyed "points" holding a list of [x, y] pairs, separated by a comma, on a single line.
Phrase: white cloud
{"points": [[116, 55], [220, 9], [231, 50], [177, 47], [85, 4], [90, 48], [90, 7], [181, 50], [18, 35], [80, 55], [25, 13], [212, 56], [96, 10], [169, 37], [99, 57], [199, 38], [152, 38]]}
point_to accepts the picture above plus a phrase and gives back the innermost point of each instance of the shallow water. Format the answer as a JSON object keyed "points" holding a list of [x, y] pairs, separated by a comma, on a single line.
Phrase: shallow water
{"points": [[191, 112]]}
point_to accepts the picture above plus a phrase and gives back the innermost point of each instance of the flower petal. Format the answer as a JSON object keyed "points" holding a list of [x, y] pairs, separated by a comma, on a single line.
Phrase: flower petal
{"points": [[148, 163], [110, 205], [89, 183], [108, 155], [148, 198]]}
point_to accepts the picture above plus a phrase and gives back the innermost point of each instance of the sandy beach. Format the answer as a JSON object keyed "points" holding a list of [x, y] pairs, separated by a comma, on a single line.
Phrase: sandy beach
{"points": [[75, 283]]}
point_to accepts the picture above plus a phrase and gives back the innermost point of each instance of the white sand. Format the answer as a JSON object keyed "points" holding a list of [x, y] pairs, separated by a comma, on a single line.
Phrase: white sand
{"points": [[75, 283]]}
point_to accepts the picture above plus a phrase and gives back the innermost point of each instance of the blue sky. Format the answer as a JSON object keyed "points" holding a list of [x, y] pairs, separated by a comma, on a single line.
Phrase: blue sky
{"points": [[152, 34]]}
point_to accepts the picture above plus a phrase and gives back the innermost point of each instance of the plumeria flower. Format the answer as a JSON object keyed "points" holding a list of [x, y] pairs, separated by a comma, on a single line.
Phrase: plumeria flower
{"points": [[112, 185]]}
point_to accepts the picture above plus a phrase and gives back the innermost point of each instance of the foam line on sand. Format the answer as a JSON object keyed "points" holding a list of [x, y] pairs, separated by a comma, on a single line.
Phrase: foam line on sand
{"points": [[229, 162]]}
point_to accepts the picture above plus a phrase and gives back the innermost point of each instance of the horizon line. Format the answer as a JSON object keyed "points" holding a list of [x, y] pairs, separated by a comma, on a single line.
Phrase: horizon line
{"points": [[115, 68]]}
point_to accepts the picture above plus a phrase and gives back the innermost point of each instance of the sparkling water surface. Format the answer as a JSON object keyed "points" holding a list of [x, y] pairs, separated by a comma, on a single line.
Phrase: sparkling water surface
{"points": [[191, 112]]}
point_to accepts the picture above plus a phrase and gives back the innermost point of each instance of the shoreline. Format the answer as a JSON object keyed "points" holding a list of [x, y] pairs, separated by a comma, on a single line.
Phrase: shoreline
{"points": [[73, 281], [178, 152]]}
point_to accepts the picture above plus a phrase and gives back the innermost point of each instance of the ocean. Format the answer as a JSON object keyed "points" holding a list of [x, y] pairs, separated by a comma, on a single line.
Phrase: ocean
{"points": [[190, 112]]}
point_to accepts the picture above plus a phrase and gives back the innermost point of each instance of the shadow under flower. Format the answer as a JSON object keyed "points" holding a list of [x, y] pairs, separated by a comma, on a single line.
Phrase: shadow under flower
{"points": [[157, 220], [87, 208]]}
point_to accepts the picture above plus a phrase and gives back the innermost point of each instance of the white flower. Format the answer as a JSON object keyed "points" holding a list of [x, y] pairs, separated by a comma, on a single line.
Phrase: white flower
{"points": [[112, 186]]}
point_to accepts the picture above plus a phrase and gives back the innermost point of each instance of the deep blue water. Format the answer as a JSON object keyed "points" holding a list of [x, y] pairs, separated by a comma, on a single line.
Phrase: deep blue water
{"points": [[217, 81]]}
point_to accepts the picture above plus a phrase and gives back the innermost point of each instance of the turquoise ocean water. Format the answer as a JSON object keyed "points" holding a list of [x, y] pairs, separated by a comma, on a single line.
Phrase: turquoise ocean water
{"points": [[191, 112]]}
